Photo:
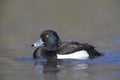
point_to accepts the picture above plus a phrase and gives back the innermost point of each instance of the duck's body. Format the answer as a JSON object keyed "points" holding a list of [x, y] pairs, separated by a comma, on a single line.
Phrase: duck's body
{"points": [[52, 46]]}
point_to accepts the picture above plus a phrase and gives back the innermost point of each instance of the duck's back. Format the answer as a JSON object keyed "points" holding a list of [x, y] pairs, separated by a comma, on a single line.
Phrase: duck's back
{"points": [[68, 47]]}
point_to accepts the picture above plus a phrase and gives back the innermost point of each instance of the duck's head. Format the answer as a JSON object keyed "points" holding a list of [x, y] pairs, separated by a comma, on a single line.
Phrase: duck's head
{"points": [[49, 40]]}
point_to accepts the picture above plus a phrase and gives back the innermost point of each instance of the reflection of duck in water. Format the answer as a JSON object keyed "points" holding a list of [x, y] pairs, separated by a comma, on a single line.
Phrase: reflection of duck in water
{"points": [[51, 46], [46, 70], [49, 65], [54, 69]]}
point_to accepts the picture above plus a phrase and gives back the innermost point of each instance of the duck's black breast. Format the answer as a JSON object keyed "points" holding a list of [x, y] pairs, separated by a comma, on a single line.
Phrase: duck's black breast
{"points": [[40, 52], [68, 47]]}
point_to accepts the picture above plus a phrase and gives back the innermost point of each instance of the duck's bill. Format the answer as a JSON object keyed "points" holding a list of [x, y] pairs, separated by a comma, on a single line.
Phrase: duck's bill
{"points": [[38, 43]]}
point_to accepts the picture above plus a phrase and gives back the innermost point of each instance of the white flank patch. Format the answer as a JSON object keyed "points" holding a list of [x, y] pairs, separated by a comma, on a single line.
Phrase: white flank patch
{"points": [[76, 55]]}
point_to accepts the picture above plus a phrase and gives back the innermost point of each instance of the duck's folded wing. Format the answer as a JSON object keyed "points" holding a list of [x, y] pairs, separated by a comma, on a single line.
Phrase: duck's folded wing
{"points": [[68, 47]]}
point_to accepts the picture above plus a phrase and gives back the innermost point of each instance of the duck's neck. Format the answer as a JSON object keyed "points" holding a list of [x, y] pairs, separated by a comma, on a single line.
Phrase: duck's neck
{"points": [[49, 54], [51, 48]]}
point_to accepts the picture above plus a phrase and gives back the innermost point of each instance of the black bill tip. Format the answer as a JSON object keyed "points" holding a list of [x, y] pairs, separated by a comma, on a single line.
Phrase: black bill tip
{"points": [[32, 45]]}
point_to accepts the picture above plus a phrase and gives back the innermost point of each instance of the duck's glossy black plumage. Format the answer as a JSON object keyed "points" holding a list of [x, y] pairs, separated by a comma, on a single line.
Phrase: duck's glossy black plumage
{"points": [[52, 45]]}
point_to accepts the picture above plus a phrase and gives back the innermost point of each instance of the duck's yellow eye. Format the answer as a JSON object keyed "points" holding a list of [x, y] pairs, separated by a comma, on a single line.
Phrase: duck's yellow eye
{"points": [[46, 35]]}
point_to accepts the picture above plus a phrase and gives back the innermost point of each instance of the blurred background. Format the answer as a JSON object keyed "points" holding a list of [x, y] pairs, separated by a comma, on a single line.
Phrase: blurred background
{"points": [[96, 22]]}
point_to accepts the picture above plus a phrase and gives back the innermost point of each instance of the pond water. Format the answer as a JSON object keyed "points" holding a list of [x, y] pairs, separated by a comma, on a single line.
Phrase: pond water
{"points": [[103, 68], [96, 22]]}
